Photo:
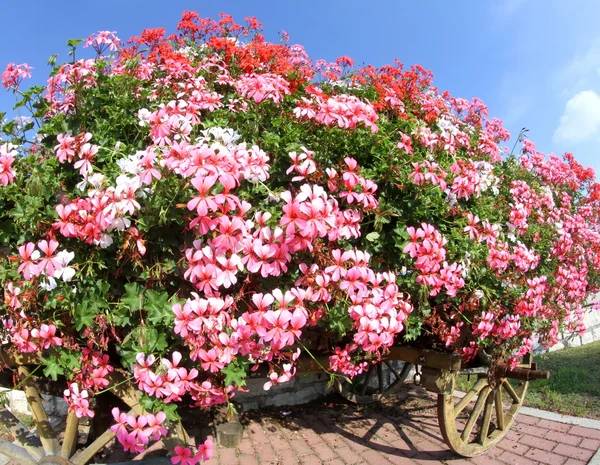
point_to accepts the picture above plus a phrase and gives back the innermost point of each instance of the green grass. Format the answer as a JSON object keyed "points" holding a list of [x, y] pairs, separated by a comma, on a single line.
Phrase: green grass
{"points": [[574, 384], [573, 387]]}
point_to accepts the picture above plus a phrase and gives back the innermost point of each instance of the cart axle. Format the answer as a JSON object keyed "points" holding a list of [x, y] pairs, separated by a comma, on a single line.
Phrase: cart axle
{"points": [[521, 373]]}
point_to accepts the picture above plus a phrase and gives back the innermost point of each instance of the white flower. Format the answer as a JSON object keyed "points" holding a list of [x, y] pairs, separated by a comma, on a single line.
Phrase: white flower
{"points": [[131, 164], [144, 116], [66, 273], [478, 293], [105, 241], [48, 283], [22, 121], [35, 255]]}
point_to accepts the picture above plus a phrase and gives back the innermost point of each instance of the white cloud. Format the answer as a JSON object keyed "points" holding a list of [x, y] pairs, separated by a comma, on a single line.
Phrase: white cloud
{"points": [[581, 118]]}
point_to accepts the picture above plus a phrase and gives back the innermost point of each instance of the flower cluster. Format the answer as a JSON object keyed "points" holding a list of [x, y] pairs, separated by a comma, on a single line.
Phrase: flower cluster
{"points": [[199, 204]]}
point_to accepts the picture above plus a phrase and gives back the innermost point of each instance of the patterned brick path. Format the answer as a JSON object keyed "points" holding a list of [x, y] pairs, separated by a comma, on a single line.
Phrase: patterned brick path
{"points": [[402, 431]]}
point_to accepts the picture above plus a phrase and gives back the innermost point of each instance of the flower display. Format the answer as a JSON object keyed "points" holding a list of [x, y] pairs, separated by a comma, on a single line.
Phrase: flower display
{"points": [[198, 204]]}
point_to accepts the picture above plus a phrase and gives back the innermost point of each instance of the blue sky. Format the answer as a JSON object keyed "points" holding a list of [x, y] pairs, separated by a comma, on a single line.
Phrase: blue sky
{"points": [[535, 63]]}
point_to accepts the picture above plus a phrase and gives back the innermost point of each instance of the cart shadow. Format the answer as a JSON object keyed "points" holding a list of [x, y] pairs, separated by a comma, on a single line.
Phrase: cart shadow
{"points": [[407, 421]]}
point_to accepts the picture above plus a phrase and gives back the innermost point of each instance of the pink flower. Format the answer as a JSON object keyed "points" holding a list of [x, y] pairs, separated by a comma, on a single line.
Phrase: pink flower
{"points": [[205, 451], [29, 255], [184, 456], [48, 263], [14, 74], [8, 153], [47, 334]]}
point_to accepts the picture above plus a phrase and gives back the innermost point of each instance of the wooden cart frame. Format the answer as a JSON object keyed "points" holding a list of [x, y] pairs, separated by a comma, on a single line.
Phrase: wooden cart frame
{"points": [[470, 422]]}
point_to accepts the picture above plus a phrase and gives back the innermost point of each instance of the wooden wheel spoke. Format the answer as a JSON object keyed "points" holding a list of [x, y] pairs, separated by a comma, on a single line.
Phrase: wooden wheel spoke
{"points": [[46, 433], [70, 439], [363, 388], [511, 392], [469, 396], [392, 369], [499, 409], [487, 417], [481, 401], [83, 457]]}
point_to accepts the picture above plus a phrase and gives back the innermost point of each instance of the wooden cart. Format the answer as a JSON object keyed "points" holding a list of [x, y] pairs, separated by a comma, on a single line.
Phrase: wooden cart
{"points": [[471, 422]]}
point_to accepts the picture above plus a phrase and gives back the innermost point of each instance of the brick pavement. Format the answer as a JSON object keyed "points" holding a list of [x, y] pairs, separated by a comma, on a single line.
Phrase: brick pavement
{"points": [[402, 431]]}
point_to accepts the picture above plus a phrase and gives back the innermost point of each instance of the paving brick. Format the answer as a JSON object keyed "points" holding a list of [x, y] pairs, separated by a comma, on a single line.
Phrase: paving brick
{"points": [[532, 430], [424, 459], [400, 459], [335, 462], [324, 452], [404, 448], [513, 435], [278, 443], [483, 460], [575, 462], [563, 438], [546, 457], [246, 447], [539, 443], [286, 456], [246, 459], [514, 459], [266, 453], [228, 456], [573, 452], [310, 460], [585, 432], [554, 426], [591, 444], [301, 447], [528, 420], [513, 446], [332, 439], [348, 456], [375, 457]]}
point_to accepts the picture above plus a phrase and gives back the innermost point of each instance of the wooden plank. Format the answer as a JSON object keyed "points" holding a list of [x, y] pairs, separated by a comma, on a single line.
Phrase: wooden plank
{"points": [[12, 358], [425, 357]]}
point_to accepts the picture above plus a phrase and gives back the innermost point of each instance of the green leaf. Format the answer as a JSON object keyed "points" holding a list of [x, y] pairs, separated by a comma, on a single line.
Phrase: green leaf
{"points": [[372, 236], [74, 42], [134, 296], [84, 315], [52, 367], [158, 307], [235, 373]]}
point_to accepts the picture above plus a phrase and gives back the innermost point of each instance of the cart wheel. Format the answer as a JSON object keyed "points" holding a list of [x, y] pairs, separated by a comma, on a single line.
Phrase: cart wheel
{"points": [[45, 448], [375, 384], [484, 415]]}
